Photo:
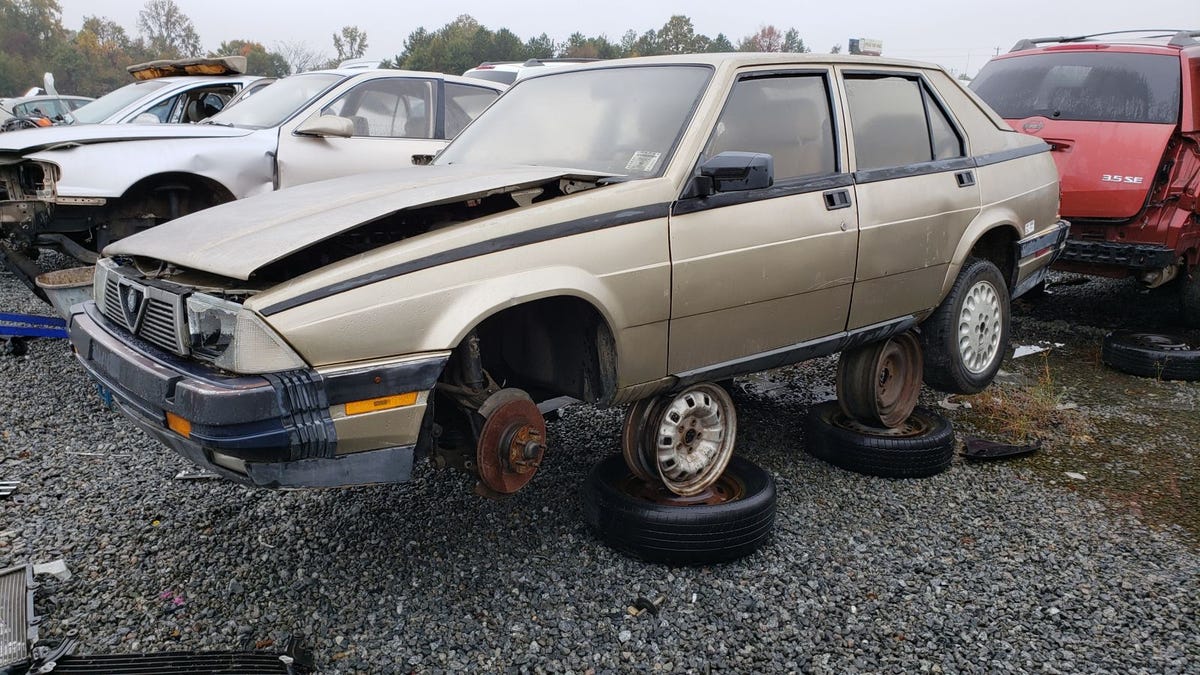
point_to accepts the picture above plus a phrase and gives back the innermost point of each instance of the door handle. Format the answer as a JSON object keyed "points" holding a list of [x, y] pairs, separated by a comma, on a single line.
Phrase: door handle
{"points": [[836, 199], [965, 178]]}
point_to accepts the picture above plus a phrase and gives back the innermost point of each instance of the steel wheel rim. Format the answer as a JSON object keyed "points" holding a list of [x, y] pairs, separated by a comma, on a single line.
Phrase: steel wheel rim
{"points": [[694, 438], [913, 425], [898, 379], [980, 322], [1166, 343]]}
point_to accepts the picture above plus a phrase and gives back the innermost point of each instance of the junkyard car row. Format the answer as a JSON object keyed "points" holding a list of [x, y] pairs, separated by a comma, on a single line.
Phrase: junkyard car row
{"points": [[667, 224]]}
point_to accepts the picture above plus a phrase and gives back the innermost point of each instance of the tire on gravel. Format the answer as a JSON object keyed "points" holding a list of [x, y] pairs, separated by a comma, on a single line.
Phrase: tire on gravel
{"points": [[1163, 357], [923, 447], [945, 365], [695, 534]]}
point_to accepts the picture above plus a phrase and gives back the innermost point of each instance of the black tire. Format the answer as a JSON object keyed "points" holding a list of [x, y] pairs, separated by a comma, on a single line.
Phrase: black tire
{"points": [[680, 535], [1162, 357], [945, 367], [924, 447], [1189, 299]]}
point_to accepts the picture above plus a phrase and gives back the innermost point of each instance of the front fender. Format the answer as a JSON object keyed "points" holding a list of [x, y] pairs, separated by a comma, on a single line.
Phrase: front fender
{"points": [[243, 165]]}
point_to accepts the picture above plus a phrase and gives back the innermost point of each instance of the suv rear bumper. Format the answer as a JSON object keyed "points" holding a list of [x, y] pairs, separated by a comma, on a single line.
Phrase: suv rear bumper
{"points": [[271, 430], [1127, 255]]}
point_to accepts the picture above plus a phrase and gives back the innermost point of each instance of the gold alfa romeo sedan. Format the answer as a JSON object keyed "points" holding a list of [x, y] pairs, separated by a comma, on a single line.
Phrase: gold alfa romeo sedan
{"points": [[621, 232]]}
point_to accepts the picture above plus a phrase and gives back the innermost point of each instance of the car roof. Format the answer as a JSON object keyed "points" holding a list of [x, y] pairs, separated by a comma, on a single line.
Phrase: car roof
{"points": [[371, 72], [748, 59], [1141, 41]]}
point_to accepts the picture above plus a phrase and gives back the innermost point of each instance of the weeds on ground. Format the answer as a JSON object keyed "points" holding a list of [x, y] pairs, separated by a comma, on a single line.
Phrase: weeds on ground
{"points": [[1023, 414]]}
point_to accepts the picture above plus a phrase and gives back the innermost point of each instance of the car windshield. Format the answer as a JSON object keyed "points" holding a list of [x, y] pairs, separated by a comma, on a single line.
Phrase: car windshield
{"points": [[276, 103], [104, 107], [622, 121], [1083, 86]]}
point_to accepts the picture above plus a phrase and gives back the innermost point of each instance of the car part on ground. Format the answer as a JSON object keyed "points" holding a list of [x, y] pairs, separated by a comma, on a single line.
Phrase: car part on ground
{"points": [[32, 325], [879, 383], [966, 337], [1119, 111], [922, 446], [729, 520], [18, 623], [982, 449], [1156, 355]]}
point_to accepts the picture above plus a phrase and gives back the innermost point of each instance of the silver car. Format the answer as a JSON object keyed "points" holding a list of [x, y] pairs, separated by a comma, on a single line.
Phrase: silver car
{"points": [[80, 188]]}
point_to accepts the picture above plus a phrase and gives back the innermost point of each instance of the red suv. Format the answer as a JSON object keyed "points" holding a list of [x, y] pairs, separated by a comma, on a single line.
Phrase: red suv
{"points": [[1122, 118]]}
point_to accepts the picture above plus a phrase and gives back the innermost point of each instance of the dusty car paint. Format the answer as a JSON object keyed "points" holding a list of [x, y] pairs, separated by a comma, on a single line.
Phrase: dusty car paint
{"points": [[658, 283]]}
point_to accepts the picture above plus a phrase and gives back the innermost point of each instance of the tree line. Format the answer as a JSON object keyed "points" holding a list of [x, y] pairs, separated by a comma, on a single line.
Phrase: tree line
{"points": [[92, 60]]}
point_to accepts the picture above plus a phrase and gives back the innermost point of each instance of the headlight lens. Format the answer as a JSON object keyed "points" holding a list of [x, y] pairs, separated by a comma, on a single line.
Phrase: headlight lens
{"points": [[235, 339], [211, 324]]}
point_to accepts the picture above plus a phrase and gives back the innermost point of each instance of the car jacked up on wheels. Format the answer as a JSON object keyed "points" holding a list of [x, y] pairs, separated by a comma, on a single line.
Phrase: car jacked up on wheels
{"points": [[623, 232]]}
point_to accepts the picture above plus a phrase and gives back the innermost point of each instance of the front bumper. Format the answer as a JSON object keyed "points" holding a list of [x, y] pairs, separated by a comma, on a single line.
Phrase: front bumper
{"points": [[1036, 253], [1128, 255], [273, 430]]}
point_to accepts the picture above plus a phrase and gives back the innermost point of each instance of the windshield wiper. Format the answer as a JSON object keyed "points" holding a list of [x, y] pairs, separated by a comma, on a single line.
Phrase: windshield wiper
{"points": [[219, 124]]}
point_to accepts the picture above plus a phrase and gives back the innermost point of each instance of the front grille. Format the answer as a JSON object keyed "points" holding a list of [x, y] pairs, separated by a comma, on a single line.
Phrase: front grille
{"points": [[158, 316]]}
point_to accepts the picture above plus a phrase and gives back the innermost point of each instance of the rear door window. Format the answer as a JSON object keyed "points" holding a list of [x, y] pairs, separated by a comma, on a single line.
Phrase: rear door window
{"points": [[1083, 86], [897, 122]]}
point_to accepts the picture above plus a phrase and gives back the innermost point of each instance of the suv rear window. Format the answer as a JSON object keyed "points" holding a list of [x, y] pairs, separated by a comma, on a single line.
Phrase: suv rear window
{"points": [[1084, 86]]}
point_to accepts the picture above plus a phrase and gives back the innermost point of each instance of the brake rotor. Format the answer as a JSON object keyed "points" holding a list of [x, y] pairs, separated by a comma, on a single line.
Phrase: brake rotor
{"points": [[511, 443]]}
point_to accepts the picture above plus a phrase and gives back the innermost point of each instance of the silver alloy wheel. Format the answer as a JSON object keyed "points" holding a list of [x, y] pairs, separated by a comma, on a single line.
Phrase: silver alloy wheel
{"points": [[694, 438], [980, 324]]}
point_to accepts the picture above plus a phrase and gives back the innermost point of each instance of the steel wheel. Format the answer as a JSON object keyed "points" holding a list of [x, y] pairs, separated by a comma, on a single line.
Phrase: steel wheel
{"points": [[878, 384], [980, 327], [694, 435], [634, 440]]}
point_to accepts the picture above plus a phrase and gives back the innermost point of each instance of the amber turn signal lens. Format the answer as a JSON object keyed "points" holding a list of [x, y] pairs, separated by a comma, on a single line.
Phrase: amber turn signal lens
{"points": [[179, 425], [381, 403]]}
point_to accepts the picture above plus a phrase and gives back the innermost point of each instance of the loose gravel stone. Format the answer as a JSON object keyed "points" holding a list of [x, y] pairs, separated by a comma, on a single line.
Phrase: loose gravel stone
{"points": [[982, 569]]}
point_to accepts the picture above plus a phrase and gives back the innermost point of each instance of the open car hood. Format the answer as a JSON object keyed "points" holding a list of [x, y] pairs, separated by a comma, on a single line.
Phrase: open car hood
{"points": [[235, 239], [35, 140]]}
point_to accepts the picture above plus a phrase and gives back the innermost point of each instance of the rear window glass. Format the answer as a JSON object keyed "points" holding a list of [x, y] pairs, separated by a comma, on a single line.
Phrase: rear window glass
{"points": [[1084, 86]]}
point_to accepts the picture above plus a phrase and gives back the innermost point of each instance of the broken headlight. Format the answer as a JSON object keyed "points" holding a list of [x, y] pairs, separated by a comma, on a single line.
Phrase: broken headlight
{"points": [[234, 338]]}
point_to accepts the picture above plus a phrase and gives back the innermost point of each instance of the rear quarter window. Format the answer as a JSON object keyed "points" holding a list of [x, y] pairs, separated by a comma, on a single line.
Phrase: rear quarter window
{"points": [[1083, 86]]}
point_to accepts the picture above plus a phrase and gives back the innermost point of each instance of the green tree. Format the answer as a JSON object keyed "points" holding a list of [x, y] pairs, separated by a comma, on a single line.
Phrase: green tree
{"points": [[168, 32], [259, 61], [720, 44], [677, 36], [540, 47], [792, 42], [350, 44]]}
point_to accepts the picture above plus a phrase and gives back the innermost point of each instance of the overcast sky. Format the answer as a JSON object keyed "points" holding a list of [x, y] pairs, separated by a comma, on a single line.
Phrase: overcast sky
{"points": [[959, 34]]}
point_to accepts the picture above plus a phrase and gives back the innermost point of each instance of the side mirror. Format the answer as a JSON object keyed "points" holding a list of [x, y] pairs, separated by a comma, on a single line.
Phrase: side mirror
{"points": [[327, 125], [147, 118], [735, 171]]}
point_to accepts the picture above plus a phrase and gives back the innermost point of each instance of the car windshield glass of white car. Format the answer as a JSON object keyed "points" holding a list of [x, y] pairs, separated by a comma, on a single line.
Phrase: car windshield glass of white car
{"points": [[99, 110], [277, 102], [622, 121]]}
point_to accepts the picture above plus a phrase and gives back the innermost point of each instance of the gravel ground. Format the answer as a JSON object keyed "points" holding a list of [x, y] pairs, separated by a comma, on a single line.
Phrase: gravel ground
{"points": [[986, 568]]}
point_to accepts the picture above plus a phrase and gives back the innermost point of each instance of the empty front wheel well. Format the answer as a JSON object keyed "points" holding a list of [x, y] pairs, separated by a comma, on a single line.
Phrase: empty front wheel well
{"points": [[560, 346], [156, 190], [996, 245]]}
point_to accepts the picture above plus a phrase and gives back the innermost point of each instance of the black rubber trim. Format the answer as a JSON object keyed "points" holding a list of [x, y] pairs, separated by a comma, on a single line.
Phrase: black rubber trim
{"points": [[786, 188], [535, 236], [1008, 155], [1051, 239], [910, 170], [386, 380], [796, 353]]}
